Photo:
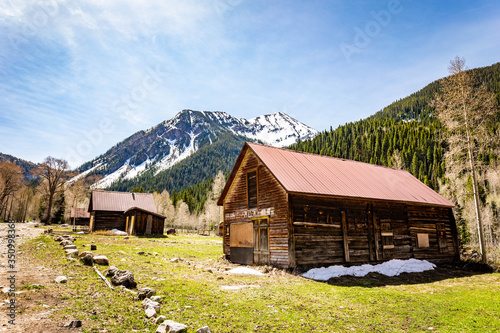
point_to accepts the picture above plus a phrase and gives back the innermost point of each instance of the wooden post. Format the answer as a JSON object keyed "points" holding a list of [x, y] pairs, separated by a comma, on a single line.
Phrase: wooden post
{"points": [[344, 237], [371, 240], [376, 236]]}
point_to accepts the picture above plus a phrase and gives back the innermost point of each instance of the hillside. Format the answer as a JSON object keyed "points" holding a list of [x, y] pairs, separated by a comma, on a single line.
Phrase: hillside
{"points": [[404, 134], [27, 167]]}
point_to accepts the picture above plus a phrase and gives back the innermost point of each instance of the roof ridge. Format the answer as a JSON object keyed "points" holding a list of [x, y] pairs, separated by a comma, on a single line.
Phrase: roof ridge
{"points": [[325, 156]]}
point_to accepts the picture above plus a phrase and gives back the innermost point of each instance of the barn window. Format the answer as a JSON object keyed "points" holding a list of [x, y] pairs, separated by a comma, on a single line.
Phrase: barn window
{"points": [[387, 236], [423, 240], [252, 189]]}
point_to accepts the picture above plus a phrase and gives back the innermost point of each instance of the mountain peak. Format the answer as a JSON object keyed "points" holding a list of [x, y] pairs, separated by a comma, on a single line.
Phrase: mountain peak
{"points": [[164, 145]]}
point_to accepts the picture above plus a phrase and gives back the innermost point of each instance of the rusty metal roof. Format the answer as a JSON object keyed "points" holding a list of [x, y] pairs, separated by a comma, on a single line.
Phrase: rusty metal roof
{"points": [[80, 213], [309, 173], [121, 201]]}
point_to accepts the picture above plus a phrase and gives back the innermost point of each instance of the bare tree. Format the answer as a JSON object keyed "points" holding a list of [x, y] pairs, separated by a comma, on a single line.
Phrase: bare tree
{"points": [[466, 110], [54, 172], [11, 179]]}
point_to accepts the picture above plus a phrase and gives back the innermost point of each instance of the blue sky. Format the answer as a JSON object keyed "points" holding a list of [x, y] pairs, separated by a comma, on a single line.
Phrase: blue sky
{"points": [[76, 77]]}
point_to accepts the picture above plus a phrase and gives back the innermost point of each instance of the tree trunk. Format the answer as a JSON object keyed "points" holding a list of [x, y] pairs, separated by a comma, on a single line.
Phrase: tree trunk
{"points": [[49, 209]]}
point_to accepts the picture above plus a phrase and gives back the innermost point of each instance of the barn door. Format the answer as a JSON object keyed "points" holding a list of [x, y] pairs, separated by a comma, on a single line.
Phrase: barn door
{"points": [[261, 241]]}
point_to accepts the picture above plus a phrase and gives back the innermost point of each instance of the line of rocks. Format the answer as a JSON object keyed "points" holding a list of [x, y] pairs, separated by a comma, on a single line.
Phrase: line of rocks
{"points": [[124, 278]]}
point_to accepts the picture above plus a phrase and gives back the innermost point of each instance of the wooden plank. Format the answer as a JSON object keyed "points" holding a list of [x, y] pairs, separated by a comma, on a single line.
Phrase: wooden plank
{"points": [[344, 237], [312, 224], [375, 232]]}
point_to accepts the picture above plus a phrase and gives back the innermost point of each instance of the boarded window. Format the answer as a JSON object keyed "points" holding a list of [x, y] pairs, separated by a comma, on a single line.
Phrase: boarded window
{"points": [[423, 240], [252, 189], [387, 236]]}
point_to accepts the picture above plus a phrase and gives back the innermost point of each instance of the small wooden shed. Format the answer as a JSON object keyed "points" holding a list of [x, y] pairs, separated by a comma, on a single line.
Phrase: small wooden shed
{"points": [[288, 209], [132, 212], [79, 216]]}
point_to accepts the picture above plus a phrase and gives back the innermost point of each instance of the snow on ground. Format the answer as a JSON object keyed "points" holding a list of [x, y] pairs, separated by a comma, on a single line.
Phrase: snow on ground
{"points": [[244, 271], [390, 268], [119, 232]]}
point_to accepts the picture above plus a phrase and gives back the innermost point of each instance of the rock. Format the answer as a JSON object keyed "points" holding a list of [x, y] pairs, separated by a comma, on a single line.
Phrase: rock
{"points": [[72, 253], [126, 237], [141, 253], [156, 298], [145, 292], [84, 253], [58, 238], [6, 290], [160, 319], [170, 326], [125, 278], [150, 312], [61, 279], [111, 271], [66, 242], [122, 252], [149, 303], [74, 324], [87, 259], [174, 260], [204, 329], [101, 260], [70, 247], [93, 247]]}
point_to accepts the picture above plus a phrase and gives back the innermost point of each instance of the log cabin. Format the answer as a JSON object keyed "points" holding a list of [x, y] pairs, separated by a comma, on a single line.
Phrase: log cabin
{"points": [[292, 209], [134, 213], [79, 216]]}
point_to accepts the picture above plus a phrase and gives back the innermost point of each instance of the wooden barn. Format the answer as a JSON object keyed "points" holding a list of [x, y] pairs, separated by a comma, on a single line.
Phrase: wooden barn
{"points": [[289, 209], [79, 216], [134, 213]]}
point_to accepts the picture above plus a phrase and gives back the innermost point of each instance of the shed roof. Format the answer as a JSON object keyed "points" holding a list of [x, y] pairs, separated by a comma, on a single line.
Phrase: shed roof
{"points": [[307, 173], [79, 213], [121, 201], [131, 209]]}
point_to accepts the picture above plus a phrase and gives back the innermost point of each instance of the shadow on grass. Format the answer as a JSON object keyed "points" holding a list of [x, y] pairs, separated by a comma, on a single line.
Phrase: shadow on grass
{"points": [[440, 273]]}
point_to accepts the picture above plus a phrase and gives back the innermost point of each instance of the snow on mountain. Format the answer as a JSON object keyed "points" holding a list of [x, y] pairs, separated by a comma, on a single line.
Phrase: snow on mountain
{"points": [[171, 141]]}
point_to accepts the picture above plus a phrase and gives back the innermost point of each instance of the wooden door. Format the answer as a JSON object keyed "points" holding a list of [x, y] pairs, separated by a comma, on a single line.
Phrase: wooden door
{"points": [[149, 224], [261, 241]]}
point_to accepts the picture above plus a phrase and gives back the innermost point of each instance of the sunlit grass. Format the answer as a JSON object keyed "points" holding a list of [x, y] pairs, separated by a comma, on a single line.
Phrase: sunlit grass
{"points": [[276, 302]]}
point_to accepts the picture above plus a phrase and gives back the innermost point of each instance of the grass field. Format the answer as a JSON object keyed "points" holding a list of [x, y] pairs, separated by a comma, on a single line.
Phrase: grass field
{"points": [[194, 293]]}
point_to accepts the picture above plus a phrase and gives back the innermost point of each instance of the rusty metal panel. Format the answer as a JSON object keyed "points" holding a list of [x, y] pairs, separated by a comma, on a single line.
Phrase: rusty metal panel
{"points": [[121, 201], [241, 235], [315, 174]]}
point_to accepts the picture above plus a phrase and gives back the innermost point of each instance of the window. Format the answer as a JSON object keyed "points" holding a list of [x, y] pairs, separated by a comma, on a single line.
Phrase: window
{"points": [[252, 189], [423, 240]]}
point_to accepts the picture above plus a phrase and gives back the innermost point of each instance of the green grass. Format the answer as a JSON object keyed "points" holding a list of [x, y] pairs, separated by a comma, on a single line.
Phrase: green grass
{"points": [[278, 302]]}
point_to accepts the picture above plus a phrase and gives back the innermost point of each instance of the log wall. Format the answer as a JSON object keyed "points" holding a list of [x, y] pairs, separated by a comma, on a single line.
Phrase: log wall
{"points": [[330, 231], [106, 220]]}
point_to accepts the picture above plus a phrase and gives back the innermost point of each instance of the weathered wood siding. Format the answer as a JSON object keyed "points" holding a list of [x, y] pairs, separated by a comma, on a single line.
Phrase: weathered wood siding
{"points": [[80, 221], [271, 202], [141, 220], [328, 231], [106, 220]]}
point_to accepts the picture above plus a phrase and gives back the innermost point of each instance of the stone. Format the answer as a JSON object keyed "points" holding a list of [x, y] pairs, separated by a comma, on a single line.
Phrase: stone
{"points": [[204, 329], [174, 260], [111, 271], [58, 238], [126, 237], [124, 278], [145, 293], [61, 279], [150, 312], [101, 260], [88, 259], [156, 299], [84, 253], [160, 319], [74, 324], [66, 242], [93, 247], [141, 253], [149, 303], [70, 247], [72, 253], [170, 326]]}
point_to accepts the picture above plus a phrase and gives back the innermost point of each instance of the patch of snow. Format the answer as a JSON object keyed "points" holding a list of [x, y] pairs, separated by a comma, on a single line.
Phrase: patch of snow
{"points": [[136, 171], [83, 174], [111, 178], [119, 232], [389, 268], [244, 271]]}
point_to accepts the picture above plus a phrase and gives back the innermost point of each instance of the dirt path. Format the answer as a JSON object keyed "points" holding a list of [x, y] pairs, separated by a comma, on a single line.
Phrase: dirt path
{"points": [[33, 306]]}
